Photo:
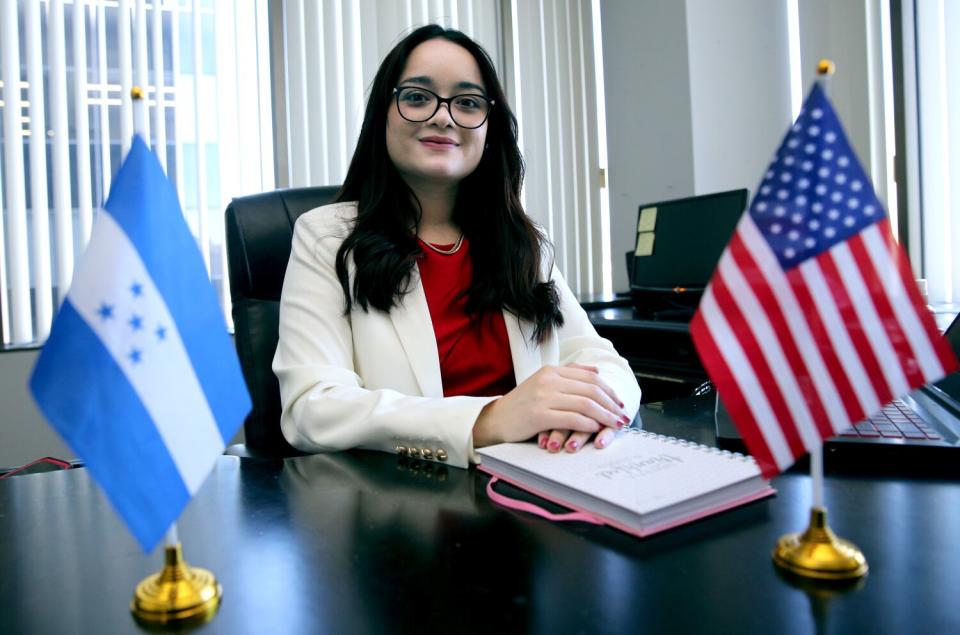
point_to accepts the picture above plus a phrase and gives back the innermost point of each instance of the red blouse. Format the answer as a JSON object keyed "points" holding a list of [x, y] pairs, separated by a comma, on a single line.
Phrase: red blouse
{"points": [[474, 349]]}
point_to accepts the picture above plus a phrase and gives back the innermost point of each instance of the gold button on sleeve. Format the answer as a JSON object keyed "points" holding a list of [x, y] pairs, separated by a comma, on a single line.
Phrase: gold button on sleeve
{"points": [[401, 450], [426, 453], [413, 453], [441, 454]]}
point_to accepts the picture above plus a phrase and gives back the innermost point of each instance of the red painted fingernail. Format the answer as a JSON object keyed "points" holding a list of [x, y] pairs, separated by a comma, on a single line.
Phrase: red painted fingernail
{"points": [[619, 424], [553, 445], [542, 442], [621, 403], [572, 445], [602, 442]]}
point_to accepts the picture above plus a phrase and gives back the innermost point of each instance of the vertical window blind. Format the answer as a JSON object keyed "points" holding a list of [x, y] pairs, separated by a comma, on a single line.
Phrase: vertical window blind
{"points": [[67, 120], [938, 103], [553, 84], [70, 122]]}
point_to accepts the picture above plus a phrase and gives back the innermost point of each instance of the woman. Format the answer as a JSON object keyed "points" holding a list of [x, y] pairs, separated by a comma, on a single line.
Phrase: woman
{"points": [[421, 313]]}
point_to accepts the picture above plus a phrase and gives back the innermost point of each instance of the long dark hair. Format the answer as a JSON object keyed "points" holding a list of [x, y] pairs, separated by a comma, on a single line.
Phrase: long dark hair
{"points": [[506, 246]]}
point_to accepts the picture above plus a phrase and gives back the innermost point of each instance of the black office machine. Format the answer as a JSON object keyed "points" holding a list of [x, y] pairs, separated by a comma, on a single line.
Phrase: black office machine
{"points": [[678, 245]]}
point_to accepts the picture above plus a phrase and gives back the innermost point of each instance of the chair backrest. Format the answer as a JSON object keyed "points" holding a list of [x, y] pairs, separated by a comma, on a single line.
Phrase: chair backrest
{"points": [[259, 235]]}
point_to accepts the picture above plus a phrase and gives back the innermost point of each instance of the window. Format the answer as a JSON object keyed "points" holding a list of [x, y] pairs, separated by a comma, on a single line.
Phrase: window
{"points": [[210, 111], [929, 32], [67, 68]]}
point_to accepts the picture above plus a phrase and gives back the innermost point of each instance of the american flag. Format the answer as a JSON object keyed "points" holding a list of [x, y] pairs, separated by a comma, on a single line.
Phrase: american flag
{"points": [[812, 320]]}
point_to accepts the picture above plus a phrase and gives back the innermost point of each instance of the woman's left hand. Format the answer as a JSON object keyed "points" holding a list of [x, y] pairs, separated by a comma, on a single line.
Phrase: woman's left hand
{"points": [[565, 440], [557, 440]]}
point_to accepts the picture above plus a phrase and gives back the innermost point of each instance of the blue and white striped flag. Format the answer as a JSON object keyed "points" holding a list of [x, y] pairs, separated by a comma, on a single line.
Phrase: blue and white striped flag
{"points": [[139, 375]]}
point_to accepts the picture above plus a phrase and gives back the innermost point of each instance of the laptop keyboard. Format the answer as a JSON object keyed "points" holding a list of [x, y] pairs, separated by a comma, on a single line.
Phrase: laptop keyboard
{"points": [[895, 421]]}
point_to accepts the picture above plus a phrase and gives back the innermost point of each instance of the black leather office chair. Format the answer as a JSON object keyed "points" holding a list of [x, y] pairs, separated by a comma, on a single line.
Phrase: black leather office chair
{"points": [[259, 235]]}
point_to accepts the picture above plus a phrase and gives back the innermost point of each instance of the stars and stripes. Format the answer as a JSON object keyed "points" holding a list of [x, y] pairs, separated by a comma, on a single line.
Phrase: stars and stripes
{"points": [[812, 320], [815, 194]]}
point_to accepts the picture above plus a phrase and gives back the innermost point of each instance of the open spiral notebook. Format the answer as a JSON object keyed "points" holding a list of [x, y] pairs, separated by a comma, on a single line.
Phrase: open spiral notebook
{"points": [[642, 484]]}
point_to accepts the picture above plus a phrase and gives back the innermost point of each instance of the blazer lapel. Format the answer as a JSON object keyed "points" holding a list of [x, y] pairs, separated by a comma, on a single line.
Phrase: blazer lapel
{"points": [[412, 322], [525, 353]]}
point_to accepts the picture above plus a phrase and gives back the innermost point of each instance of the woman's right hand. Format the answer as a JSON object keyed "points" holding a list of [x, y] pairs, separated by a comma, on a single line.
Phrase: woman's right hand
{"points": [[571, 397]]}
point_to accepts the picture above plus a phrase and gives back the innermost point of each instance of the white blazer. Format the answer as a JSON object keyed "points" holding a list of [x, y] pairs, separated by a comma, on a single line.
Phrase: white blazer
{"points": [[372, 379]]}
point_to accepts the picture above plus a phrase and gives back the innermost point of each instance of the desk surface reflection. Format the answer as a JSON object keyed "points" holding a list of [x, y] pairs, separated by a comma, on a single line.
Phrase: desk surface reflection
{"points": [[362, 542]]}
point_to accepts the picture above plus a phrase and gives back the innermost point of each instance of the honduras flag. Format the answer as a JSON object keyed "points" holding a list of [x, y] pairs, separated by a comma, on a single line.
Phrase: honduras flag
{"points": [[139, 375]]}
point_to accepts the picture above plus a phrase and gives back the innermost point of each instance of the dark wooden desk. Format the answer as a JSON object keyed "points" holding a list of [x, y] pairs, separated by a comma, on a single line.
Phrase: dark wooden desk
{"points": [[364, 543]]}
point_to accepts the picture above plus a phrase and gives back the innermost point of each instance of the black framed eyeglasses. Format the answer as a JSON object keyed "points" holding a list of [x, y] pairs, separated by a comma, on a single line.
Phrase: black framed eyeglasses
{"points": [[417, 105]]}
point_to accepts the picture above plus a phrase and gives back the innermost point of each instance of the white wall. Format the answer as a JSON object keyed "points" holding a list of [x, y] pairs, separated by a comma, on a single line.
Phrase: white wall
{"points": [[649, 137], [739, 90], [838, 31], [698, 95], [698, 99], [24, 435]]}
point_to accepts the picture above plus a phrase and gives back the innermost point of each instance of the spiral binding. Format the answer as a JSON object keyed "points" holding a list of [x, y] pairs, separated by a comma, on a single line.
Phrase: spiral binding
{"points": [[690, 444]]}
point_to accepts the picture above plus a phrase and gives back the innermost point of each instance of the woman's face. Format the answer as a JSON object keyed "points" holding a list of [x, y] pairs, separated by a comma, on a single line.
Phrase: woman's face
{"points": [[437, 151]]}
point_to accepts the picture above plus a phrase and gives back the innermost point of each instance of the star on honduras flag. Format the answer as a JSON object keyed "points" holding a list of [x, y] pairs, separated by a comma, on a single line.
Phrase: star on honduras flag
{"points": [[139, 375], [812, 320]]}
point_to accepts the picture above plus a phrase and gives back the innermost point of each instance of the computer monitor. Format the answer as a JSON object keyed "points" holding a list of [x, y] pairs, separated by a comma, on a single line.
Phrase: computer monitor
{"points": [[947, 390], [678, 245]]}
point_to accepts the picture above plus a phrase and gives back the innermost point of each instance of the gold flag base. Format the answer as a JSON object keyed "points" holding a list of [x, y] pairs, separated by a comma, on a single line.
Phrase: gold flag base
{"points": [[178, 593], [818, 553]]}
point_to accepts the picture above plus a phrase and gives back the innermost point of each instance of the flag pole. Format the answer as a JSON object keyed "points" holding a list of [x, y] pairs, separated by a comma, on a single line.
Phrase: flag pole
{"points": [[138, 97], [817, 553], [172, 538], [825, 71], [178, 594]]}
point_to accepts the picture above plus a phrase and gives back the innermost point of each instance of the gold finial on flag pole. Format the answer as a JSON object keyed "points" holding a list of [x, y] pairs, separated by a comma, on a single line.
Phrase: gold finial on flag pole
{"points": [[825, 70], [139, 98], [818, 553]]}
